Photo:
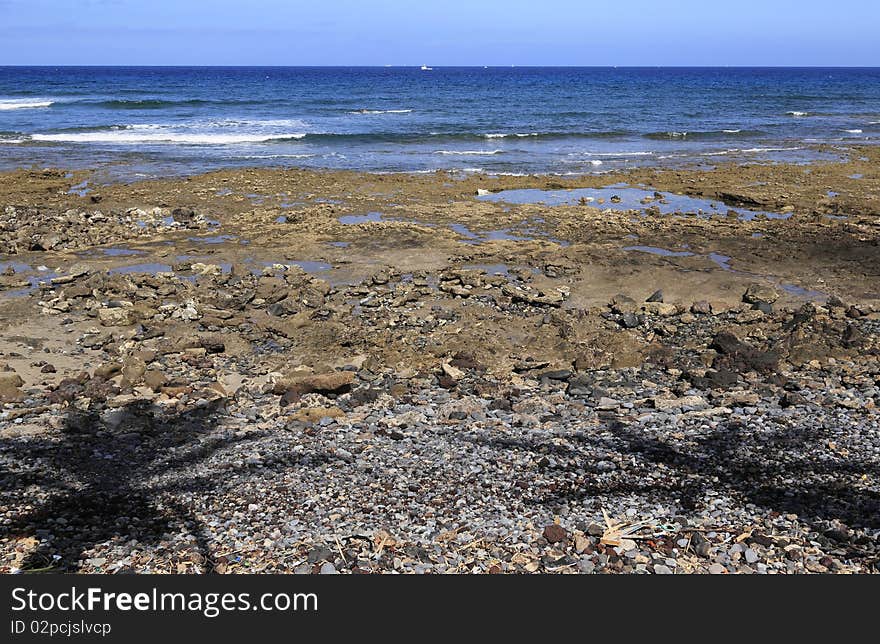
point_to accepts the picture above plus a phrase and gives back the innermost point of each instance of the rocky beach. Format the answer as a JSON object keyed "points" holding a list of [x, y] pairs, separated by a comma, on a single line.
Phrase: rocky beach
{"points": [[653, 370]]}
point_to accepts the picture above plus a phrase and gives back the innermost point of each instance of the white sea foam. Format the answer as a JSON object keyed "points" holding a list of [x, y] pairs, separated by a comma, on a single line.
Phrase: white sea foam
{"points": [[192, 138], [853, 131], [277, 156], [227, 132], [22, 104], [469, 152], [500, 135], [793, 113], [10, 141], [731, 131], [618, 154], [751, 150], [380, 112], [595, 162]]}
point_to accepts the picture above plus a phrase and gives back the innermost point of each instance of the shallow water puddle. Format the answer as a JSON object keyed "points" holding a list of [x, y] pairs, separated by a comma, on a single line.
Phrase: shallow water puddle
{"points": [[34, 277], [80, 189], [619, 197], [504, 270], [309, 266], [121, 252], [489, 235], [660, 251], [370, 217], [723, 262], [216, 239]]}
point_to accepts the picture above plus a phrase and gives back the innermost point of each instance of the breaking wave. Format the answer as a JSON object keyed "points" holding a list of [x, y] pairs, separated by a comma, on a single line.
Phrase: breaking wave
{"points": [[23, 104]]}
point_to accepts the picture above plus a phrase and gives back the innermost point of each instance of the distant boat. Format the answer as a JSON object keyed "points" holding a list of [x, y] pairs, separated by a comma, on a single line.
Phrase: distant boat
{"points": [[425, 68]]}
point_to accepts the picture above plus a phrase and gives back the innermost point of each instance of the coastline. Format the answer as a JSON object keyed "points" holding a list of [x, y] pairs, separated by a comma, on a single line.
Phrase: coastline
{"points": [[319, 370]]}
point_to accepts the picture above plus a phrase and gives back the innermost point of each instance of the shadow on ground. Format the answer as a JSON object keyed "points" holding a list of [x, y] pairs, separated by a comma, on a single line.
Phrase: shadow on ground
{"points": [[104, 478]]}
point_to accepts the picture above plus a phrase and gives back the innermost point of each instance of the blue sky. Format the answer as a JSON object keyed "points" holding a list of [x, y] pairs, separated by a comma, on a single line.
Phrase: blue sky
{"points": [[454, 32]]}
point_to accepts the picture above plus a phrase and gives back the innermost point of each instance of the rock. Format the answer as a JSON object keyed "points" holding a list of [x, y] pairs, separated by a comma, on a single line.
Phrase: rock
{"points": [[452, 372], [791, 399], [656, 296], [133, 370], [606, 403], [317, 414], [751, 556], [760, 293], [295, 387], [9, 387], [586, 566], [661, 309], [328, 569], [117, 316], [717, 569], [629, 321], [741, 356], [595, 530], [581, 543], [155, 380], [552, 297], [107, 370], [555, 533], [660, 569], [701, 308], [623, 304], [669, 404]]}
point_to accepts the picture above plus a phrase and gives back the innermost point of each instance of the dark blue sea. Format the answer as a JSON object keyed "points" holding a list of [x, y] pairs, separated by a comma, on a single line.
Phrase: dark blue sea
{"points": [[150, 121]]}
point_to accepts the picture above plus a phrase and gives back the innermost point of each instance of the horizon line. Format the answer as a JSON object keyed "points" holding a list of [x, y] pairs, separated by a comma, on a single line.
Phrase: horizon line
{"points": [[440, 66]]}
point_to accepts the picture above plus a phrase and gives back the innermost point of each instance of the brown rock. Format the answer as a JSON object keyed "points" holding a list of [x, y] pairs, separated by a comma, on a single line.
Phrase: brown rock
{"points": [[315, 414], [554, 533], [155, 380], [133, 370], [9, 387], [107, 370], [295, 387]]}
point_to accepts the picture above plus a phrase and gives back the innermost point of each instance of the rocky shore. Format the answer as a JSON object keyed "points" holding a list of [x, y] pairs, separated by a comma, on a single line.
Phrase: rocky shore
{"points": [[665, 372]]}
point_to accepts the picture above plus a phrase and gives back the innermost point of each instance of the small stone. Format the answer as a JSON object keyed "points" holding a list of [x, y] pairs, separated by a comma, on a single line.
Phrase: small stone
{"points": [[717, 569], [586, 566], [554, 533]]}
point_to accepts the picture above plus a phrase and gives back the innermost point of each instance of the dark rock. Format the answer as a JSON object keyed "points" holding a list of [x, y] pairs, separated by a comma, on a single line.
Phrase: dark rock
{"points": [[555, 533], [656, 296], [629, 321], [739, 356]]}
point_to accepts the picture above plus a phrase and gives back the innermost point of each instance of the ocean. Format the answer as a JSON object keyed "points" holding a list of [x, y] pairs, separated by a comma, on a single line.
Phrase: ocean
{"points": [[133, 122]]}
